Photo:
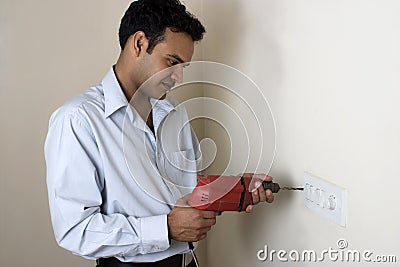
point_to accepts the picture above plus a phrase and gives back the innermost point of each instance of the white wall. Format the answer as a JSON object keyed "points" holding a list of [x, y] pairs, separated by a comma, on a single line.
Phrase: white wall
{"points": [[330, 70]]}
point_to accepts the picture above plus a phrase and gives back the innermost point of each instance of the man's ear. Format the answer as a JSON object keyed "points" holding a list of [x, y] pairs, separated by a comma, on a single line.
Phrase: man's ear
{"points": [[139, 43]]}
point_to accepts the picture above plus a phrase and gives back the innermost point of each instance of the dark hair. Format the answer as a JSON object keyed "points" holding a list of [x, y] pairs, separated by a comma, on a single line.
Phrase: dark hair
{"points": [[153, 17]]}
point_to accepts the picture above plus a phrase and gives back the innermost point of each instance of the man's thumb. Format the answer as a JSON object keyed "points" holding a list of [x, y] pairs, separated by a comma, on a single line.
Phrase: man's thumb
{"points": [[183, 202]]}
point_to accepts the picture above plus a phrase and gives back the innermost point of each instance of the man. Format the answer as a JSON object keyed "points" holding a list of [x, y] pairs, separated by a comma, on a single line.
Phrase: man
{"points": [[111, 186]]}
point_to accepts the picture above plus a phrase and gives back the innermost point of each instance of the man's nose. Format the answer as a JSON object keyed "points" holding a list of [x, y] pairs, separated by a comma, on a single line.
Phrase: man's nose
{"points": [[177, 73]]}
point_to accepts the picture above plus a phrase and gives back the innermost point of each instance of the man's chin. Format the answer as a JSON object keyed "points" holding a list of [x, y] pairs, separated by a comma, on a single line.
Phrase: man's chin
{"points": [[162, 97]]}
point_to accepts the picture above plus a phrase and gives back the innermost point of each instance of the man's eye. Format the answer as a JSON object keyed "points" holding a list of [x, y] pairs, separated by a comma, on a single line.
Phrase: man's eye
{"points": [[172, 62]]}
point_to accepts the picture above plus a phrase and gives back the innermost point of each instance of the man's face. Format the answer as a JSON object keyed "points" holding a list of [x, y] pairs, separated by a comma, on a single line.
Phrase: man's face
{"points": [[169, 55]]}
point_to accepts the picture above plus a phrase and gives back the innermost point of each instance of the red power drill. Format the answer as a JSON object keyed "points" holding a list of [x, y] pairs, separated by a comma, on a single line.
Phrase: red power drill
{"points": [[227, 193]]}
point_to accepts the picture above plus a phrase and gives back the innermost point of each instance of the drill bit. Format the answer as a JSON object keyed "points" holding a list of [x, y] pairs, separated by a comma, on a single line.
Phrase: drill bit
{"points": [[274, 187], [292, 188]]}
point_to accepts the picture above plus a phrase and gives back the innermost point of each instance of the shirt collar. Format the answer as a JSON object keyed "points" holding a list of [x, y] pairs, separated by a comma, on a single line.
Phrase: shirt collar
{"points": [[164, 105], [114, 97], [161, 109]]}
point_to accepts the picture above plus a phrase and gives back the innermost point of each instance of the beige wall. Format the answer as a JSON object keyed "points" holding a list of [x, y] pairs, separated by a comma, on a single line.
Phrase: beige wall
{"points": [[49, 51], [330, 70]]}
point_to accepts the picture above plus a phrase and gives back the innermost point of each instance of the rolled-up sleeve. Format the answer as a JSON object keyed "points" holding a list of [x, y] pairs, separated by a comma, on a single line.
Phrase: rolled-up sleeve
{"points": [[75, 183]]}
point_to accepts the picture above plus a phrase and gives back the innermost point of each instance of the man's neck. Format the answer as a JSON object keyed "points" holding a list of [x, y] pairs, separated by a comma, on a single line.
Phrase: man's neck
{"points": [[127, 87], [137, 99]]}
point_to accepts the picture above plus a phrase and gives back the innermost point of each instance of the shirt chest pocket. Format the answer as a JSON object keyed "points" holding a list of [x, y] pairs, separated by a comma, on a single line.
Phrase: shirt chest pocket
{"points": [[179, 167]]}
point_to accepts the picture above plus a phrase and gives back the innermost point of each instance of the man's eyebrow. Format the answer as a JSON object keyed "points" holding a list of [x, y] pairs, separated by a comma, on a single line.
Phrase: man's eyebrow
{"points": [[178, 58]]}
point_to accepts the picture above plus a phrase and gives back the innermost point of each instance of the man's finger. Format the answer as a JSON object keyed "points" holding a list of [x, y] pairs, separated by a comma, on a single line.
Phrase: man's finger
{"points": [[262, 194], [249, 208], [270, 196], [262, 177], [256, 197], [209, 214]]}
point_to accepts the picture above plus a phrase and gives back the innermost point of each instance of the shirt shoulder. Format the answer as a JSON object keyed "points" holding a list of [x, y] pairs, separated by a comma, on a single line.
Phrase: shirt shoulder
{"points": [[81, 107]]}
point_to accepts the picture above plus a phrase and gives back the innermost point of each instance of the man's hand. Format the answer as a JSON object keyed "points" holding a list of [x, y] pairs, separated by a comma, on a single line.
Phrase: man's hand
{"points": [[259, 194], [188, 224]]}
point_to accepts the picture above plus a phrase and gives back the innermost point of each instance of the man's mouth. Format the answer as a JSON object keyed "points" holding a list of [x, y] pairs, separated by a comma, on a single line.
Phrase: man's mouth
{"points": [[168, 86]]}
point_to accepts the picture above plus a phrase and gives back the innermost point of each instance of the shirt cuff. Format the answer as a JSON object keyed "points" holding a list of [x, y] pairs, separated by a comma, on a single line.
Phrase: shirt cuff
{"points": [[154, 233]]}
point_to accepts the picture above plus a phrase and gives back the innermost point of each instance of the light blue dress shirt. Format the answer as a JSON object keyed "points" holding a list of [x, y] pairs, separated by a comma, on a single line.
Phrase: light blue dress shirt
{"points": [[111, 181]]}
